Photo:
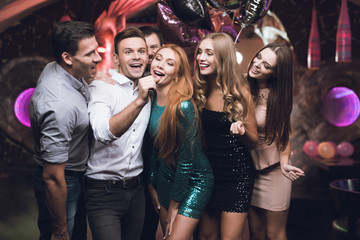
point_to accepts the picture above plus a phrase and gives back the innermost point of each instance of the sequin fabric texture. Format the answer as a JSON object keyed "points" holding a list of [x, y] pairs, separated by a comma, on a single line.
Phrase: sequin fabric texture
{"points": [[231, 163], [191, 181]]}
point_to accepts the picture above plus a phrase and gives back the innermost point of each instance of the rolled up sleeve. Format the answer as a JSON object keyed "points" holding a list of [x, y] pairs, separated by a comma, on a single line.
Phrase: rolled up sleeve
{"points": [[56, 131], [100, 111]]}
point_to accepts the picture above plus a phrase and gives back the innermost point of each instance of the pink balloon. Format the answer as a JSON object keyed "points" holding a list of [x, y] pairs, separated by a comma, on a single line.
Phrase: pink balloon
{"points": [[178, 32], [310, 148], [174, 30], [345, 149], [65, 18], [224, 23]]}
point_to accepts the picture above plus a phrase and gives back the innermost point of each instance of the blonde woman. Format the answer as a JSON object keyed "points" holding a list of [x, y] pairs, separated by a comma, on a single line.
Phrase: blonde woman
{"points": [[228, 119]]}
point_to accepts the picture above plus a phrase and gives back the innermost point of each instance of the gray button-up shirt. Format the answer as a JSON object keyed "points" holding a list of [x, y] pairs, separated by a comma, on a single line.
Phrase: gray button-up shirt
{"points": [[59, 119]]}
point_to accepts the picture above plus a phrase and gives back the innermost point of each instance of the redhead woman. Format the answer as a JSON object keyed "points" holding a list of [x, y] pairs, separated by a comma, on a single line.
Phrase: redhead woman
{"points": [[179, 168]]}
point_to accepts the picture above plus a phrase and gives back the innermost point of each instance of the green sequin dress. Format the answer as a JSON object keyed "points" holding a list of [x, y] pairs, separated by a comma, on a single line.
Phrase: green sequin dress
{"points": [[190, 182]]}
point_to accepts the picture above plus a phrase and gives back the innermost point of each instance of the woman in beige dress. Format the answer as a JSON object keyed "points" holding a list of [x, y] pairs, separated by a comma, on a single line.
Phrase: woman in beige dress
{"points": [[270, 78]]}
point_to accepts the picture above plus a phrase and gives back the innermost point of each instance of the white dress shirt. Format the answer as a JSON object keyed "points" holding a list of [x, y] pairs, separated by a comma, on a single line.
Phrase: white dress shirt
{"points": [[112, 157]]}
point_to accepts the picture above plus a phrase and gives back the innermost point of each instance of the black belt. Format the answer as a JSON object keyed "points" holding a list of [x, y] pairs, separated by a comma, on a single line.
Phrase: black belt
{"points": [[73, 173], [126, 183], [269, 168], [69, 173]]}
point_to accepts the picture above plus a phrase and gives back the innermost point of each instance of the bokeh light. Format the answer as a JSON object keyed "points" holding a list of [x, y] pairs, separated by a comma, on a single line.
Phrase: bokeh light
{"points": [[101, 49], [239, 57], [341, 106], [21, 107]]}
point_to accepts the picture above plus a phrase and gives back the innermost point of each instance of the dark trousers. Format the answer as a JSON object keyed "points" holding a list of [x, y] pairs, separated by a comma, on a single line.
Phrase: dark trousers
{"points": [[151, 219], [115, 213]]}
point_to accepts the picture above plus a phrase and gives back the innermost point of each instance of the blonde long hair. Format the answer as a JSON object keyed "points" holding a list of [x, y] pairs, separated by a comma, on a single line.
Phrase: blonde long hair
{"points": [[229, 78], [169, 135]]}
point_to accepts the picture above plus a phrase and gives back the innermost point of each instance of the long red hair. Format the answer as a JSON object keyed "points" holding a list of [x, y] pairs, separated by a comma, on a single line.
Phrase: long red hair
{"points": [[169, 138]]}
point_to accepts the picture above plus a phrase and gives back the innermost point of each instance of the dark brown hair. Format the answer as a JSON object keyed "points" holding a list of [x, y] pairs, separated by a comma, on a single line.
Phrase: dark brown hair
{"points": [[127, 33], [280, 100], [66, 37]]}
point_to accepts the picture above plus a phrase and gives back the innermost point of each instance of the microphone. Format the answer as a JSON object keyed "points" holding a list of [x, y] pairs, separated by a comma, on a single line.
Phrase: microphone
{"points": [[151, 91]]}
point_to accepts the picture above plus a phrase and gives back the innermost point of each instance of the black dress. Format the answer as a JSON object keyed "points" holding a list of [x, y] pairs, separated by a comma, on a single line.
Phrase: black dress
{"points": [[231, 162]]}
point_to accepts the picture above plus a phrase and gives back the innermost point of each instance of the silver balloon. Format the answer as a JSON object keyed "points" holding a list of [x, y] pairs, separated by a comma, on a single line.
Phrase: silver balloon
{"points": [[226, 5], [253, 11], [192, 12]]}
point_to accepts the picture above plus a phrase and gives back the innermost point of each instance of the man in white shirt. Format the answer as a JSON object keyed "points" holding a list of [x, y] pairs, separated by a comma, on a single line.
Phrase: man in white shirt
{"points": [[154, 40], [119, 115]]}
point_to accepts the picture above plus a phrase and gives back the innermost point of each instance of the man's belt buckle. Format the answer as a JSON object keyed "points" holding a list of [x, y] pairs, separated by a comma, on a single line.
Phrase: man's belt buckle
{"points": [[125, 183]]}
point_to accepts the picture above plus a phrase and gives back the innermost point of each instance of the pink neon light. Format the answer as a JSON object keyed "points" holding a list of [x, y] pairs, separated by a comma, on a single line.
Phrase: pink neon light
{"points": [[21, 107], [341, 106]]}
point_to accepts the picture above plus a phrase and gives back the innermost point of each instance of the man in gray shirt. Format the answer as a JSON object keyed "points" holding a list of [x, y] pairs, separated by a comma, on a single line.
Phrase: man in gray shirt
{"points": [[60, 126]]}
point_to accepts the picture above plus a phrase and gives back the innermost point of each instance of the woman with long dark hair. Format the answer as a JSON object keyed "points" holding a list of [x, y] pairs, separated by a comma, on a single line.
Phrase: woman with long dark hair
{"points": [[270, 77]]}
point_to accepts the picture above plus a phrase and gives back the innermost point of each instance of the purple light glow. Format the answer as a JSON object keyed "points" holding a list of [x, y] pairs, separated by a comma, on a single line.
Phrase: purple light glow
{"points": [[21, 107], [341, 106]]}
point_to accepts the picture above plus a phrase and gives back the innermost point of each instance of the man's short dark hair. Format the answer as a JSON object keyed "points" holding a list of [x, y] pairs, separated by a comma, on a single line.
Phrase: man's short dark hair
{"points": [[148, 30], [127, 33], [67, 35]]}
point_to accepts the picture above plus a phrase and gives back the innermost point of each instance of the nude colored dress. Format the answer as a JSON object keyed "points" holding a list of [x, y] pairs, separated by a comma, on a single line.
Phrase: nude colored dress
{"points": [[272, 189]]}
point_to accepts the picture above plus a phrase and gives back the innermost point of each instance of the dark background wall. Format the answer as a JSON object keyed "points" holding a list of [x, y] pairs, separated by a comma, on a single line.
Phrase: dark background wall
{"points": [[24, 51]]}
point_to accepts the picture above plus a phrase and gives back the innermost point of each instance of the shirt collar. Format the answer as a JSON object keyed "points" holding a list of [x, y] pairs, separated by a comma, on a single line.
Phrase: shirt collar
{"points": [[68, 78], [118, 77]]}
